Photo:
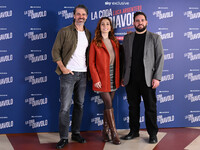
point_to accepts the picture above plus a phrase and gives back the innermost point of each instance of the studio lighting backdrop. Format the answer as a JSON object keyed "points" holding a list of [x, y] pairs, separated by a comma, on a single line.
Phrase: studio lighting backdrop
{"points": [[29, 86]]}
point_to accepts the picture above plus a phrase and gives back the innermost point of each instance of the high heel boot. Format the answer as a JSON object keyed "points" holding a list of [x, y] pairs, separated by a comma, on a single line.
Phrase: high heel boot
{"points": [[111, 123], [105, 132]]}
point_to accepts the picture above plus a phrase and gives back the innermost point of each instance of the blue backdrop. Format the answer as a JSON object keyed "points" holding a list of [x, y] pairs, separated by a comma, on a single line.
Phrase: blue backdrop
{"points": [[29, 87]]}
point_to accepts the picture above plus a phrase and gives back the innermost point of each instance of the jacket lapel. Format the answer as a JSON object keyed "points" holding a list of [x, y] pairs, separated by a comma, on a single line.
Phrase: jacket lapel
{"points": [[130, 42], [146, 43]]}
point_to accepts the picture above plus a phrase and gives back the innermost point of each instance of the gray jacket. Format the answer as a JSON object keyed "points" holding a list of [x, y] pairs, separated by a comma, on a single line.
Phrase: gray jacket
{"points": [[153, 57]]}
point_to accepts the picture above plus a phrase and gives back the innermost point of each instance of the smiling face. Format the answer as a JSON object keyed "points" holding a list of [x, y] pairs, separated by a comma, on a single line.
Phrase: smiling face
{"points": [[80, 16], [140, 23], [105, 26]]}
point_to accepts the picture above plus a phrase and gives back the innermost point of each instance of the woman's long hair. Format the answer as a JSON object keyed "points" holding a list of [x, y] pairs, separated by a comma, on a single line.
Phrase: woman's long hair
{"points": [[98, 37]]}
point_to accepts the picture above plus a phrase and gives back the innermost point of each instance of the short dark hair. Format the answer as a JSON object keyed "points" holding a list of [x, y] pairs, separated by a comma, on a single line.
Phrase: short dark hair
{"points": [[81, 6], [139, 13]]}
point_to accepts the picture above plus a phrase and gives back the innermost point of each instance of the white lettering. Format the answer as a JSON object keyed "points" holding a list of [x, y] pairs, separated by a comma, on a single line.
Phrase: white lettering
{"points": [[167, 77], [38, 102], [192, 98], [192, 36], [5, 125], [191, 15], [35, 15], [165, 98], [40, 124], [65, 14], [34, 80], [123, 20], [6, 14], [34, 59], [6, 80], [169, 56], [7, 102], [192, 77], [162, 119], [6, 58], [97, 100], [161, 15], [34, 37], [192, 118], [192, 56], [97, 121], [6, 36], [105, 13], [166, 35]]}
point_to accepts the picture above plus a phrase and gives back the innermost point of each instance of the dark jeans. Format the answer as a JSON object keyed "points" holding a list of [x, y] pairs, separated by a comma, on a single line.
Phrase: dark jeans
{"points": [[135, 90], [71, 85]]}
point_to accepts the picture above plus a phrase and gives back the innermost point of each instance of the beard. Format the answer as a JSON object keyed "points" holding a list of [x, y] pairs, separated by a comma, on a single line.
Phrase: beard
{"points": [[140, 29], [78, 22]]}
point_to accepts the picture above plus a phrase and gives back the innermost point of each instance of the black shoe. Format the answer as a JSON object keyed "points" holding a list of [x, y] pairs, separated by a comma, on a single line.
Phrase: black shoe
{"points": [[78, 138], [61, 143], [130, 136], [153, 139]]}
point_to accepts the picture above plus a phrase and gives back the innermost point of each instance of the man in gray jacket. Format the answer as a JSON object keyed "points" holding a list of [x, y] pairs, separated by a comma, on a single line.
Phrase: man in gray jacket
{"points": [[70, 53], [143, 65]]}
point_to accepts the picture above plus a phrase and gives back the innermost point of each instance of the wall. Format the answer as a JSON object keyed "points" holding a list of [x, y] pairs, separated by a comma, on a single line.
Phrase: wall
{"points": [[29, 87]]}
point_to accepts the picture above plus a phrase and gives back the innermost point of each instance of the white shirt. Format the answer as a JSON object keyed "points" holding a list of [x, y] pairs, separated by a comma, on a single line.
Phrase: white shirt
{"points": [[78, 60]]}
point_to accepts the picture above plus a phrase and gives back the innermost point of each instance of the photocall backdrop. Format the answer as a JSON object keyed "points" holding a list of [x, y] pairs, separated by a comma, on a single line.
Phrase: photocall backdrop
{"points": [[29, 87]]}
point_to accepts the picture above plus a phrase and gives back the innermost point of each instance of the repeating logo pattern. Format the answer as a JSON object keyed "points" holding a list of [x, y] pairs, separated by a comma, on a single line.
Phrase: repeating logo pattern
{"points": [[28, 82]]}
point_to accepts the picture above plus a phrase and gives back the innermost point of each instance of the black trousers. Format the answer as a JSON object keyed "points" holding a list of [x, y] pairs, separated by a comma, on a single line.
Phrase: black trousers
{"points": [[134, 90]]}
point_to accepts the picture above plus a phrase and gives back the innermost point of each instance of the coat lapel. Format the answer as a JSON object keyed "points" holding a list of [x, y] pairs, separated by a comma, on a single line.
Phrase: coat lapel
{"points": [[105, 48], [114, 46]]}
